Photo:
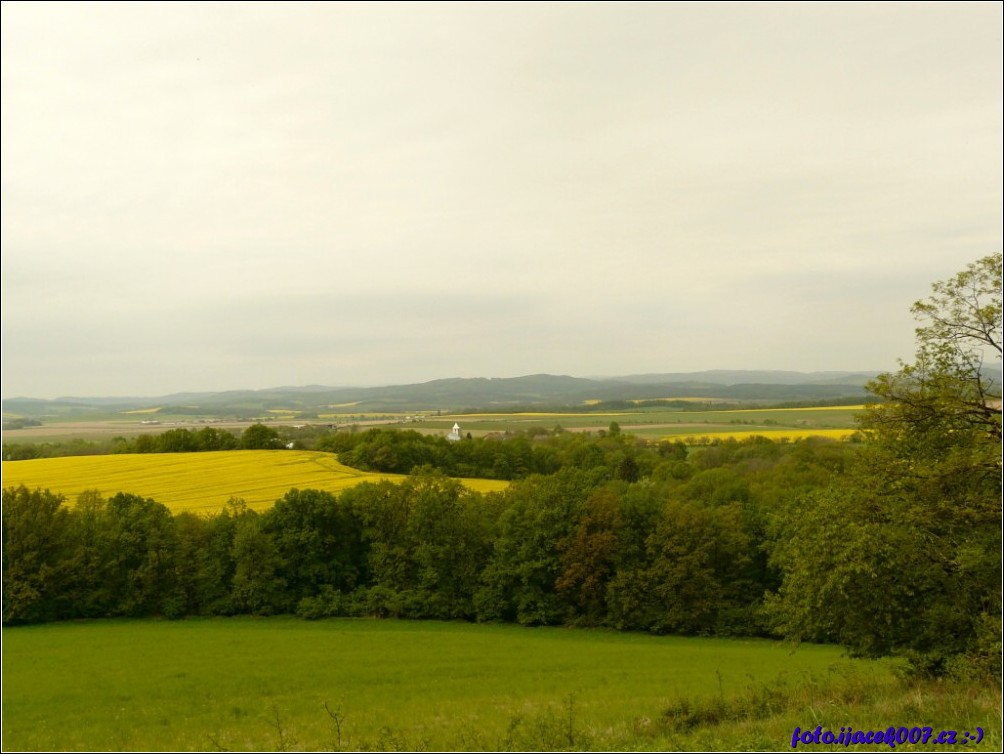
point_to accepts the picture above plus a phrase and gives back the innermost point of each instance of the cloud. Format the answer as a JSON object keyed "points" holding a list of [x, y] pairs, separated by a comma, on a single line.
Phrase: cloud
{"points": [[238, 195]]}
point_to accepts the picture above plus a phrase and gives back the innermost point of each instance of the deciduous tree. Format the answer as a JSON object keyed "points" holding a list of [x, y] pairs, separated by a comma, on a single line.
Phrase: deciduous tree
{"points": [[34, 554], [260, 437], [904, 556]]}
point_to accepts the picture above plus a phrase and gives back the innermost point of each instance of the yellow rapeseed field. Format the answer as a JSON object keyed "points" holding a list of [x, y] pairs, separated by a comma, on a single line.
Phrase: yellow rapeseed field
{"points": [[859, 407], [199, 482], [771, 434]]}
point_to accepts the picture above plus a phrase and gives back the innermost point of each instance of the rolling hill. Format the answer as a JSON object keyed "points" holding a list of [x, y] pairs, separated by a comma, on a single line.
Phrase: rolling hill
{"points": [[456, 394]]}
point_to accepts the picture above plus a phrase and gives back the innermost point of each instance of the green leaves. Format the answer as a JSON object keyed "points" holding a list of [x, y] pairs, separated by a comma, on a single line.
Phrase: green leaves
{"points": [[964, 312], [947, 388], [904, 555], [35, 540]]}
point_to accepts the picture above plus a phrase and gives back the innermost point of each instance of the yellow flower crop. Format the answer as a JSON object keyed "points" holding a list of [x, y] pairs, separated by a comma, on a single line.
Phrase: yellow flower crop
{"points": [[200, 482], [778, 435]]}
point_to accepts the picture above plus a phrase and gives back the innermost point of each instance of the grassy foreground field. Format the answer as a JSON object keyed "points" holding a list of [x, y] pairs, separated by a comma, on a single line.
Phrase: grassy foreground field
{"points": [[201, 482], [286, 684]]}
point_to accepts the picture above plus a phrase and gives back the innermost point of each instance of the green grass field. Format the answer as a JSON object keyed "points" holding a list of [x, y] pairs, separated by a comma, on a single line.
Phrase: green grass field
{"points": [[201, 482], [244, 683]]}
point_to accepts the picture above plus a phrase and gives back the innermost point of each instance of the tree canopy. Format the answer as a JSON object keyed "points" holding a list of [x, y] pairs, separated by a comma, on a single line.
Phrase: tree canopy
{"points": [[904, 556], [950, 386]]}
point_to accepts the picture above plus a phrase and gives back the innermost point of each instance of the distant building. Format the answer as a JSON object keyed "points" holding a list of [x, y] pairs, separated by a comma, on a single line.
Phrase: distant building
{"points": [[455, 434]]}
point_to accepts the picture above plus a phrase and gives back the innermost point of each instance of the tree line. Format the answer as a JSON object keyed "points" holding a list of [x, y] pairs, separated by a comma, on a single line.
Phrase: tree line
{"points": [[514, 455], [180, 440], [683, 551]]}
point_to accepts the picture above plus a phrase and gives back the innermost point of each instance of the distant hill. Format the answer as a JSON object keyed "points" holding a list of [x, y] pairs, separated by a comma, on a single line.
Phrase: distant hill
{"points": [[760, 377], [457, 394]]}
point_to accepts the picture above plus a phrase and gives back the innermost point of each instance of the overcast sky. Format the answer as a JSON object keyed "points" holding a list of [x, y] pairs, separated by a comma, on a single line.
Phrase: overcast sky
{"points": [[246, 195]]}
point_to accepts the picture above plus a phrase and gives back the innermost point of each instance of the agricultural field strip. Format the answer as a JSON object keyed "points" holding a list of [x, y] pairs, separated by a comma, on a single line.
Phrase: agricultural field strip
{"points": [[768, 412], [770, 434], [646, 423], [781, 424], [197, 481]]}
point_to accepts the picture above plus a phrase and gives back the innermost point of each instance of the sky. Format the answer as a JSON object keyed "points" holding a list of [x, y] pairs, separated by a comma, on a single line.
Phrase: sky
{"points": [[214, 196]]}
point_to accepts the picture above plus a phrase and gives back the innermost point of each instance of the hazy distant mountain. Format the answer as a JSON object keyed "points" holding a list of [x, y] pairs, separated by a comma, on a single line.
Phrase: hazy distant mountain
{"points": [[762, 377], [479, 392]]}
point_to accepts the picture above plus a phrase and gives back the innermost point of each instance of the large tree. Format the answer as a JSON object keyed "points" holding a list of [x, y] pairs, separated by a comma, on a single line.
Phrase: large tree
{"points": [[260, 437], [904, 555], [954, 382]]}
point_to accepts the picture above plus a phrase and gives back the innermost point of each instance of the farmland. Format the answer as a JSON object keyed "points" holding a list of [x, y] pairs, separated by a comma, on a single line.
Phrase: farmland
{"points": [[201, 482], [649, 422], [695, 426], [280, 684]]}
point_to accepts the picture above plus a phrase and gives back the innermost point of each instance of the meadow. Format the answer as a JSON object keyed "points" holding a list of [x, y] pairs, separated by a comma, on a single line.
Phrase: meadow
{"points": [[350, 684], [199, 482]]}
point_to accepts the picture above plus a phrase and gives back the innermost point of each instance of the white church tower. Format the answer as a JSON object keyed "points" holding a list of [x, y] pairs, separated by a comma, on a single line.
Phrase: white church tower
{"points": [[455, 434]]}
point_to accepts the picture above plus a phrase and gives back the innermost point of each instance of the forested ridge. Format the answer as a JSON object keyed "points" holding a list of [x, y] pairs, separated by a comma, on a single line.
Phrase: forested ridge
{"points": [[891, 546], [530, 392]]}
